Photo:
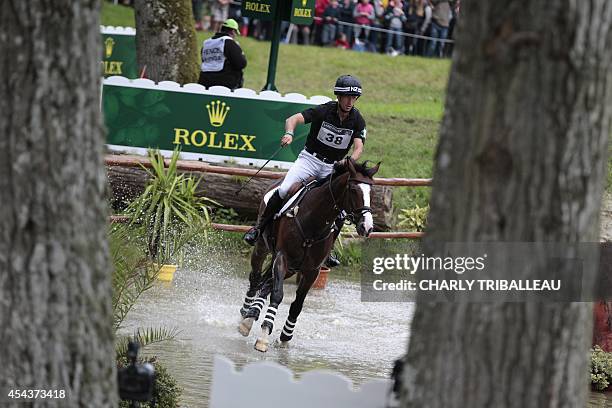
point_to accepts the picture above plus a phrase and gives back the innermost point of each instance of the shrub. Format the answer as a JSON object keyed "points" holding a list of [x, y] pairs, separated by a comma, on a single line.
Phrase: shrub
{"points": [[168, 206], [225, 216], [348, 254], [414, 219], [601, 368]]}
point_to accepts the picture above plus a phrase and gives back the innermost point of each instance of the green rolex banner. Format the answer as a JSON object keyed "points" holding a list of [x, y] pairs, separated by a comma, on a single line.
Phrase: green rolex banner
{"points": [[241, 126], [302, 11], [119, 51], [260, 9]]}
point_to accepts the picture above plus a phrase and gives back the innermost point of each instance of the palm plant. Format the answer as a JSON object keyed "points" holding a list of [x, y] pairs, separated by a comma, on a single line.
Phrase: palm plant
{"points": [[144, 337], [168, 207]]}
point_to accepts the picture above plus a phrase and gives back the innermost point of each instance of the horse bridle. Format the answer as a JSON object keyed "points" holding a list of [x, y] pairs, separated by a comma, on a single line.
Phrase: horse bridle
{"points": [[351, 216]]}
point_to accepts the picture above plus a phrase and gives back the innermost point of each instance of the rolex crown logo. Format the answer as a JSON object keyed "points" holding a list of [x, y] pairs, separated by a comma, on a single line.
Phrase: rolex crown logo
{"points": [[217, 111], [108, 46], [304, 3]]}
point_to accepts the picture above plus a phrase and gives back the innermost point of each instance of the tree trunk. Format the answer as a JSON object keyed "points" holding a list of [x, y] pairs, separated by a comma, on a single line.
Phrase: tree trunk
{"points": [[166, 43], [55, 288], [521, 157], [128, 182]]}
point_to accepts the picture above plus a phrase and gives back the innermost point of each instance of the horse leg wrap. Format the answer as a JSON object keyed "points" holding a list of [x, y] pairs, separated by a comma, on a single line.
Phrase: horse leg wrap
{"points": [[268, 322], [255, 308], [287, 333], [248, 300]]}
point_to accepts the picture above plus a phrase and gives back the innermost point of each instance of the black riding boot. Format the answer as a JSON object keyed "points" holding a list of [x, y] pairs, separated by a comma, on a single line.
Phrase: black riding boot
{"points": [[332, 261], [274, 205]]}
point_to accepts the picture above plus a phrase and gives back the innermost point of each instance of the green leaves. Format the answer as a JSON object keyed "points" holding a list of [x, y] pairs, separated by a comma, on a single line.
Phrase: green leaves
{"points": [[144, 337], [133, 274], [169, 207], [601, 368], [414, 218], [162, 220]]}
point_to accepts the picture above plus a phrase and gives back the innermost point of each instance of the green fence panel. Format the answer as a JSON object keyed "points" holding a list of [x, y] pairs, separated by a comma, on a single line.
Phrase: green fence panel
{"points": [[259, 9], [119, 52], [214, 124], [302, 11]]}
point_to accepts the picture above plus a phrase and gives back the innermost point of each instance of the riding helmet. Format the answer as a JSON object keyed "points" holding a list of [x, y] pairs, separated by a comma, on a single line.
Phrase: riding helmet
{"points": [[347, 85]]}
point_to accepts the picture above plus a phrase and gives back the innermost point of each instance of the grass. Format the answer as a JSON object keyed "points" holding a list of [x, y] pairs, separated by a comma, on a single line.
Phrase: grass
{"points": [[119, 16], [402, 102]]}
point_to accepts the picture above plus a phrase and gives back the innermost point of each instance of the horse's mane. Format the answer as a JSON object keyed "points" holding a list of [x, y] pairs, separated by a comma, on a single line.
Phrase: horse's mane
{"points": [[362, 168]]}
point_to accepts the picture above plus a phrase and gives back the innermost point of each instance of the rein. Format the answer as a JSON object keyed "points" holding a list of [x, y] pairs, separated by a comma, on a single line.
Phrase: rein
{"points": [[351, 216]]}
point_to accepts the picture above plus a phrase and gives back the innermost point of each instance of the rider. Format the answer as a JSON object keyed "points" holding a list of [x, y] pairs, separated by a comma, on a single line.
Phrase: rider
{"points": [[336, 125]]}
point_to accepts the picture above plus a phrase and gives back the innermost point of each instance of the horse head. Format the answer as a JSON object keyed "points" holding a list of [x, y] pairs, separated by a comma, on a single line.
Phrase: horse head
{"points": [[357, 203]]}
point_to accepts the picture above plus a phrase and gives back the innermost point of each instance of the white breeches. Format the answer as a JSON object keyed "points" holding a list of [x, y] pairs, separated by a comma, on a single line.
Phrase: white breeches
{"points": [[305, 166]]}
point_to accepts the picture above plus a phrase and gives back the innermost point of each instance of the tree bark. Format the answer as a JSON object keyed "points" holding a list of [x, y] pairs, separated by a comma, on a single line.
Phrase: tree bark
{"points": [[55, 290], [127, 183], [165, 40], [521, 158]]}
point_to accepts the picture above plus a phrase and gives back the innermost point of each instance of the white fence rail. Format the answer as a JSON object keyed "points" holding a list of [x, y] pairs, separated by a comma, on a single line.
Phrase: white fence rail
{"points": [[273, 386]]}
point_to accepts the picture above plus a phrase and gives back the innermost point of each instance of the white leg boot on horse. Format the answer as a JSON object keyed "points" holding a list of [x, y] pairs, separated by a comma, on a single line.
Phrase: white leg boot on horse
{"points": [[295, 309], [287, 333], [264, 287], [251, 315], [246, 305], [263, 341], [279, 269], [256, 277]]}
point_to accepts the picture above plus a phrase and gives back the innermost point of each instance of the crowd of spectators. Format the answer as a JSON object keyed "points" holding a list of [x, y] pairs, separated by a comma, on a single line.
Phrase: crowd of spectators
{"points": [[395, 27]]}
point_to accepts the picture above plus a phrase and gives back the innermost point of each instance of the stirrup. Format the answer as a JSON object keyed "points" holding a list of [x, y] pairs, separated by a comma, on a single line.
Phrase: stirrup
{"points": [[332, 261], [251, 236]]}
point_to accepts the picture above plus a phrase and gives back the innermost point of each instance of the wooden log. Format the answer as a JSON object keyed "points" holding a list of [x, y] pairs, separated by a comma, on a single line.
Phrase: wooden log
{"points": [[193, 166], [128, 182]]}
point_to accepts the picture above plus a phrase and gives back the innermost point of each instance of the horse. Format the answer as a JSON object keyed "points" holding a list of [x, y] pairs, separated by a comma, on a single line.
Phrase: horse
{"points": [[300, 240]]}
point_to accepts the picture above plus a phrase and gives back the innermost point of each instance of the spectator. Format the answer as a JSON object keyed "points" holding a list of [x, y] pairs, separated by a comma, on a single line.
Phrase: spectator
{"points": [[418, 20], [346, 15], [223, 59], [196, 7], [360, 44], [379, 13], [364, 16], [330, 22], [395, 19], [342, 42], [320, 7], [456, 7], [299, 34], [440, 19], [220, 12]]}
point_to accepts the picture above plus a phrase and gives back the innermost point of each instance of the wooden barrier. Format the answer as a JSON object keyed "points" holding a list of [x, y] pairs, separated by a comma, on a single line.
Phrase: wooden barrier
{"points": [[190, 165], [131, 184], [245, 228], [127, 180]]}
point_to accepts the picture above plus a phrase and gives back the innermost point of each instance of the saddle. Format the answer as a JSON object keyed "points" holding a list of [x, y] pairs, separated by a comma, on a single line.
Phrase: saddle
{"points": [[296, 194], [290, 206]]}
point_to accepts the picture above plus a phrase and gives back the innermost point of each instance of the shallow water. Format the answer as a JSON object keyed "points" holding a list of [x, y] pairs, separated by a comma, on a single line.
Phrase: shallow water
{"points": [[335, 330]]}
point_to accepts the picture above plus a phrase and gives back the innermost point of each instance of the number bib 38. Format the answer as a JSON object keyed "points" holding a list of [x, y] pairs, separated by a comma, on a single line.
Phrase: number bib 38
{"points": [[338, 138]]}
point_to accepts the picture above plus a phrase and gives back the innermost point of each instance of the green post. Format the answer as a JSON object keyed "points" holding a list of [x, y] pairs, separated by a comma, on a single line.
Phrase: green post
{"points": [[276, 31]]}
